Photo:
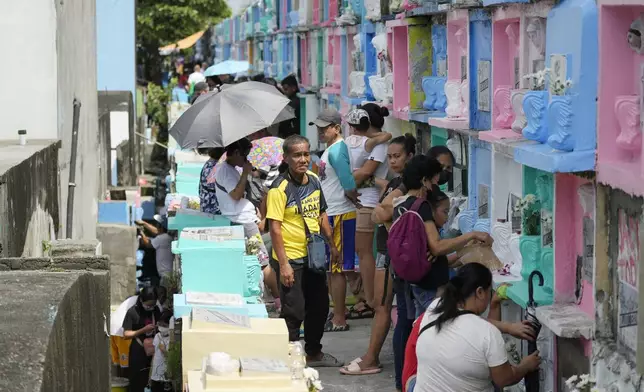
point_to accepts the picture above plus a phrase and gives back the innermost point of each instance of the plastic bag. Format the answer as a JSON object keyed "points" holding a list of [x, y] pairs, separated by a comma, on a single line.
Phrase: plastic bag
{"points": [[476, 252]]}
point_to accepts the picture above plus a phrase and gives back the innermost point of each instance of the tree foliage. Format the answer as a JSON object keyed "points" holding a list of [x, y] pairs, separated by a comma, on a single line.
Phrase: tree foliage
{"points": [[163, 22]]}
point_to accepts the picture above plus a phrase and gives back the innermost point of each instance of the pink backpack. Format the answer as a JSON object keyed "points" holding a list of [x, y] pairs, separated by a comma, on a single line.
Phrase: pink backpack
{"points": [[407, 245]]}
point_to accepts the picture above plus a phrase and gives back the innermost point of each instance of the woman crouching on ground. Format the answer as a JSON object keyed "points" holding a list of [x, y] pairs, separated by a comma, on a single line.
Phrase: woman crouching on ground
{"points": [[459, 351]]}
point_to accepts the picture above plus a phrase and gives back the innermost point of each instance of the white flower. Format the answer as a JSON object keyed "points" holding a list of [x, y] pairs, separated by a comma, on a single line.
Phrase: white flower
{"points": [[311, 374], [317, 384], [571, 381]]}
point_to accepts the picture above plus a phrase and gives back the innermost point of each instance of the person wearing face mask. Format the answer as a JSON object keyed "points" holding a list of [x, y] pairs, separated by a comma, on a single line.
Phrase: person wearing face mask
{"points": [[158, 381], [139, 325], [446, 158], [458, 350], [419, 176]]}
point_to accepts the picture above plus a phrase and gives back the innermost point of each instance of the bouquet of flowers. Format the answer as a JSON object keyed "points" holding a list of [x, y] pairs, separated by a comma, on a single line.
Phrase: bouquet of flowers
{"points": [[530, 209], [312, 378], [581, 383], [539, 79]]}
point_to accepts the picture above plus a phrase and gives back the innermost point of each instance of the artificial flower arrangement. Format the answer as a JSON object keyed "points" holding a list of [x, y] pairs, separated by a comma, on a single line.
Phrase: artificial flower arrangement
{"points": [[312, 378], [254, 247], [539, 79], [581, 383], [530, 209]]}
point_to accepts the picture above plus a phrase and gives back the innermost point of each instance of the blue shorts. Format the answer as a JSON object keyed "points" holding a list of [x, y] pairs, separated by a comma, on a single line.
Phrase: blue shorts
{"points": [[344, 236]]}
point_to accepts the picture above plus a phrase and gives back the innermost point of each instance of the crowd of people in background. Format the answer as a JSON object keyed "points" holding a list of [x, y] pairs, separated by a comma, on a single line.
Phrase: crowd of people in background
{"points": [[316, 218]]}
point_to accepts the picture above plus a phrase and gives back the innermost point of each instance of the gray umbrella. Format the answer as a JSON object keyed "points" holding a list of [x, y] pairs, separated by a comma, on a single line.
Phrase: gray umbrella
{"points": [[224, 116]]}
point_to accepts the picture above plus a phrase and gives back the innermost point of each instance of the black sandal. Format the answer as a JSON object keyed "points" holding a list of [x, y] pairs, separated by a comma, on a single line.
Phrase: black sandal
{"points": [[355, 314]]}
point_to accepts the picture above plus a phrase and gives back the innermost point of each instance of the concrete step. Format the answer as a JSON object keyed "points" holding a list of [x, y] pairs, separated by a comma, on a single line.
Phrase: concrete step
{"points": [[73, 248]]}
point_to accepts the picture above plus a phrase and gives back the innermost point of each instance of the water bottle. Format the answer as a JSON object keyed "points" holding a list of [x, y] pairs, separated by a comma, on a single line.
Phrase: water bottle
{"points": [[296, 353]]}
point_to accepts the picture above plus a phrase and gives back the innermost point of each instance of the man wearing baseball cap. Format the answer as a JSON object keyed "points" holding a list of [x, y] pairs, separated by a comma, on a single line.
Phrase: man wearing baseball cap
{"points": [[339, 190], [326, 118]]}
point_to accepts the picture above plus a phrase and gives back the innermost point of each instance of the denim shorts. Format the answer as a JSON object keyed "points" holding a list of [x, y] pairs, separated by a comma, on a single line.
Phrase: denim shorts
{"points": [[381, 261], [418, 300]]}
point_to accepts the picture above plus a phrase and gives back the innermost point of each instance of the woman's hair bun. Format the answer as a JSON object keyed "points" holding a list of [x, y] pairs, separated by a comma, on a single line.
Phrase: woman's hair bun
{"points": [[384, 112]]}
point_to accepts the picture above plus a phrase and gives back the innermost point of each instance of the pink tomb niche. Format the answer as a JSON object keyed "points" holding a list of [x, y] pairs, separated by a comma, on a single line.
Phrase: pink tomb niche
{"points": [[507, 97], [574, 221], [398, 32], [621, 79], [456, 87]]}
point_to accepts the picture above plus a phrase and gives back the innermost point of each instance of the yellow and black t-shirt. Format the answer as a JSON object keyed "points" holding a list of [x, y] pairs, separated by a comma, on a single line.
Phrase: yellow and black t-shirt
{"points": [[281, 206]]}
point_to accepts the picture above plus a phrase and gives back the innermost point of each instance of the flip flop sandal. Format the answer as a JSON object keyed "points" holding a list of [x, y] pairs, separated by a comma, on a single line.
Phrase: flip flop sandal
{"points": [[353, 369], [355, 314], [358, 360], [327, 360], [330, 316], [330, 327]]}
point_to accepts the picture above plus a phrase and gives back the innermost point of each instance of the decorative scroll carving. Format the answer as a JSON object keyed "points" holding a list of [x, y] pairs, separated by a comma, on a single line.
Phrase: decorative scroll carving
{"points": [[520, 121], [382, 88], [253, 276], [560, 123], [547, 269], [454, 99], [434, 88], [503, 105], [506, 246], [627, 112], [389, 85], [482, 225], [357, 84], [534, 107], [465, 98], [531, 251], [466, 220]]}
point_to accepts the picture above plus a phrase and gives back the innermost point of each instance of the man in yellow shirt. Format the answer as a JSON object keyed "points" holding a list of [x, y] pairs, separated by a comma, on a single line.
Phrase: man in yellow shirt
{"points": [[303, 291]]}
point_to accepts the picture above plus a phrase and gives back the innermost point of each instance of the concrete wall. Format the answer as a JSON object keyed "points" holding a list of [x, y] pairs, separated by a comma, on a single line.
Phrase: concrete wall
{"points": [[31, 76], [52, 333], [119, 242], [76, 44], [29, 208], [53, 47], [116, 45]]}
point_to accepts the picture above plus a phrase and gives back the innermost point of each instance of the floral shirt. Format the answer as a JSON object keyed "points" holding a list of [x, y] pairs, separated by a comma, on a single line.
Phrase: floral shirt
{"points": [[208, 199]]}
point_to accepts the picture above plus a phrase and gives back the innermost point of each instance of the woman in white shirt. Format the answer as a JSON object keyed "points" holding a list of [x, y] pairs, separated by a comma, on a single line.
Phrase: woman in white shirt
{"points": [[368, 153], [457, 350], [231, 191]]}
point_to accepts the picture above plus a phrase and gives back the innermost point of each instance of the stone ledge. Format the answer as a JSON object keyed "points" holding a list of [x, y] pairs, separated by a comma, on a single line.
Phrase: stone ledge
{"points": [[54, 263], [74, 248], [566, 321]]}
